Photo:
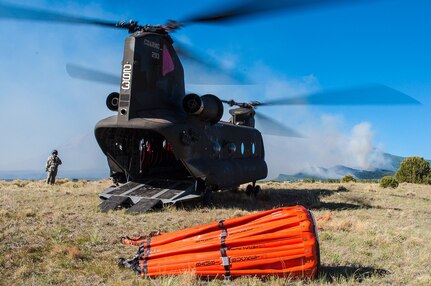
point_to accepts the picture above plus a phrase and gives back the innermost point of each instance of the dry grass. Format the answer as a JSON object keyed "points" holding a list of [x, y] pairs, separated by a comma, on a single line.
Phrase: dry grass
{"points": [[54, 235]]}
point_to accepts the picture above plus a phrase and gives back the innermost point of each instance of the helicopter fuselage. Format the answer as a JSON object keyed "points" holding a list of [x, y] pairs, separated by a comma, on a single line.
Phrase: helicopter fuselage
{"points": [[154, 136]]}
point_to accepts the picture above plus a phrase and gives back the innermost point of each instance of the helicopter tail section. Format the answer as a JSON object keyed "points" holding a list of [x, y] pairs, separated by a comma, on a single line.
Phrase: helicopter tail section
{"points": [[152, 76]]}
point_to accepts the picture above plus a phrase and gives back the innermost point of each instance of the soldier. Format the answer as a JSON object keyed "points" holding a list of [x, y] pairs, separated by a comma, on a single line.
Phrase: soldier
{"points": [[52, 167]]}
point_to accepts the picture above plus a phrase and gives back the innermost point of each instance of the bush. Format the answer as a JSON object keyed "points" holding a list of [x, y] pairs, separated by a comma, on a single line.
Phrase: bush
{"points": [[331, 181], [414, 170], [388, 181], [348, 178], [309, 180]]}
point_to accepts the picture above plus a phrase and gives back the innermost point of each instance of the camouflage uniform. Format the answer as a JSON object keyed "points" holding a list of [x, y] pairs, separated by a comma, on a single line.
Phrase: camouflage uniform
{"points": [[52, 167]]}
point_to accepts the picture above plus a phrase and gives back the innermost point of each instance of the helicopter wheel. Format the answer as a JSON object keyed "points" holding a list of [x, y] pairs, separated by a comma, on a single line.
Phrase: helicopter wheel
{"points": [[256, 190], [207, 195], [249, 190], [252, 190], [118, 178]]}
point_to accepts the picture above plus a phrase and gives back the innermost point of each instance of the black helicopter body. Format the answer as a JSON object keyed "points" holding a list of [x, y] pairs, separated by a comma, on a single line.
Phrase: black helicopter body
{"points": [[160, 133]]}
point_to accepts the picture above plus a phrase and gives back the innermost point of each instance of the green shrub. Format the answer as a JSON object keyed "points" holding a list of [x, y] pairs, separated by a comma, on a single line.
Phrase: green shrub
{"points": [[331, 181], [388, 181], [414, 170], [309, 180], [348, 178]]}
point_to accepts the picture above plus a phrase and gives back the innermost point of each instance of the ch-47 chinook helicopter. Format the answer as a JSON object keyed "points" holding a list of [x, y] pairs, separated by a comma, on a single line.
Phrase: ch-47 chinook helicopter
{"points": [[164, 145]]}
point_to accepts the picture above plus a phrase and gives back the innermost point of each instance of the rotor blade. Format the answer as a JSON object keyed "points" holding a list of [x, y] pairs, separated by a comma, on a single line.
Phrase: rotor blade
{"points": [[79, 72], [33, 14], [221, 75], [255, 7], [365, 95], [271, 127]]}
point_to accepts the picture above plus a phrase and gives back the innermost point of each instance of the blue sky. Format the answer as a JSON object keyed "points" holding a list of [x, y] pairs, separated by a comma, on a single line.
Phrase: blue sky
{"points": [[384, 42]]}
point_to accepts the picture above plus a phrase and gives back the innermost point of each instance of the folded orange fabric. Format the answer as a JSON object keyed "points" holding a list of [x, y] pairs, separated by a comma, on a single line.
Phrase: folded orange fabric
{"points": [[280, 242]]}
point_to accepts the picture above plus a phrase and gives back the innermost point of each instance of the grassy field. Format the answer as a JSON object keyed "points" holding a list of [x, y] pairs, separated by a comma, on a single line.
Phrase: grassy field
{"points": [[55, 235]]}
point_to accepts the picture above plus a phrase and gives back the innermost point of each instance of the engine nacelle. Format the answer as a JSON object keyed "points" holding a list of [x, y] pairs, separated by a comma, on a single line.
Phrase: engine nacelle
{"points": [[208, 107]]}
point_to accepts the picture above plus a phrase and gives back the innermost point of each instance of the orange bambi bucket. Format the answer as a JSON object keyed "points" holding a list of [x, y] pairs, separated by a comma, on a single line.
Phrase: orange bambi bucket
{"points": [[280, 242]]}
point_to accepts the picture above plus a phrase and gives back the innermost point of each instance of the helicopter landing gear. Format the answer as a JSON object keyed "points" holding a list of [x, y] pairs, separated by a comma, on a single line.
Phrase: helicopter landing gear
{"points": [[118, 178], [252, 190], [204, 191], [207, 194], [257, 190]]}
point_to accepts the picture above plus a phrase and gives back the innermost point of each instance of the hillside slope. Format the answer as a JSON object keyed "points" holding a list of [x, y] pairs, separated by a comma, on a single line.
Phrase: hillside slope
{"points": [[393, 163]]}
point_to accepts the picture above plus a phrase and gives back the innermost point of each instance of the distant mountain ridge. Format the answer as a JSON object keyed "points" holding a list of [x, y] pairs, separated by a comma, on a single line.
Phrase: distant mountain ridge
{"points": [[340, 171], [336, 172]]}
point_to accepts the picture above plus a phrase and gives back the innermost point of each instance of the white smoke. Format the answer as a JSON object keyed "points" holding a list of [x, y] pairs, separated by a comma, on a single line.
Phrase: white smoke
{"points": [[328, 139], [325, 146], [360, 144]]}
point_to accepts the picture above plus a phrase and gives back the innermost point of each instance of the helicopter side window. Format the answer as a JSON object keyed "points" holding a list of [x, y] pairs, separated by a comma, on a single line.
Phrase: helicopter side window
{"points": [[253, 148], [242, 148]]}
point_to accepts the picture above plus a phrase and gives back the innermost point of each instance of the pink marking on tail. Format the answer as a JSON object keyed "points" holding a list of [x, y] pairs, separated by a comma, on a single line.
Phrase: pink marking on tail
{"points": [[168, 63]]}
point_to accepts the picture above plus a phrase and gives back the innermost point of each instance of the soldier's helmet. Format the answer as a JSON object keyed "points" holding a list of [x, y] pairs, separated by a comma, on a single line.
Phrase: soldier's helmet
{"points": [[54, 152]]}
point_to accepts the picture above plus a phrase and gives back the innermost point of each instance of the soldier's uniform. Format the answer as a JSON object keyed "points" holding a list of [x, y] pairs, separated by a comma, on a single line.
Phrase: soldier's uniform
{"points": [[52, 167]]}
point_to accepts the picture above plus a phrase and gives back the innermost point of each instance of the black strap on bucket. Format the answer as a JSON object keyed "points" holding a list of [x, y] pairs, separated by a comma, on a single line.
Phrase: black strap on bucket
{"points": [[224, 258], [142, 255], [146, 255]]}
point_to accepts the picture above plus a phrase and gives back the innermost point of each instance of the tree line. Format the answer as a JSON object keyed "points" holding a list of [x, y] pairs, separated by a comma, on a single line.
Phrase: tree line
{"points": [[414, 170]]}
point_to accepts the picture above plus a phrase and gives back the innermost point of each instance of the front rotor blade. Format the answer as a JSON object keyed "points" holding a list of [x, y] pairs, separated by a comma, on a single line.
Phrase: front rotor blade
{"points": [[271, 127], [32, 14], [255, 7], [79, 72], [365, 95], [220, 74]]}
